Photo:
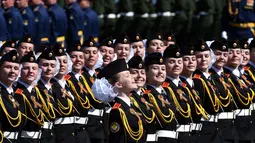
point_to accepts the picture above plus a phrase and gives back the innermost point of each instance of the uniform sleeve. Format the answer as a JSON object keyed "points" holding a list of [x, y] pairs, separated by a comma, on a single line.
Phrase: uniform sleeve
{"points": [[200, 88], [116, 129]]}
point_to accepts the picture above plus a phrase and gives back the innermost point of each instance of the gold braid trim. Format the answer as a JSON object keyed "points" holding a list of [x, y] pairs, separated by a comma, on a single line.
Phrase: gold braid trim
{"points": [[159, 112], [135, 135], [62, 107], [251, 74], [2, 136]]}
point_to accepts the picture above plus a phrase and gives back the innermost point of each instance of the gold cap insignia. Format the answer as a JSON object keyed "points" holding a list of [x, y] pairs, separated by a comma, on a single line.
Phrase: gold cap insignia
{"points": [[224, 47], [245, 46], [137, 37], [169, 38], [50, 54], [161, 60], [31, 59], [159, 37], [28, 39], [203, 47], [177, 54], [191, 52], [125, 40], [79, 47], [14, 58], [140, 65], [60, 50], [90, 43], [109, 42], [13, 44], [234, 45]]}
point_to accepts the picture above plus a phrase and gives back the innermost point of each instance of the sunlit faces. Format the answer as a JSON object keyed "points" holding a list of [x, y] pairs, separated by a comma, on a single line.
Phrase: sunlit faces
{"points": [[107, 54], [63, 65], [91, 56], [155, 46], [122, 51], [77, 59], [221, 58], [139, 76], [48, 68], [156, 74], [125, 82], [138, 48], [189, 63], [174, 66], [246, 56], [7, 3], [29, 72], [24, 48], [234, 57], [9, 72], [203, 60], [7, 50]]}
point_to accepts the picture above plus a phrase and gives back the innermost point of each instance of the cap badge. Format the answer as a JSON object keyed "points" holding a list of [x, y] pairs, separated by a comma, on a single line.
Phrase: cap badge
{"points": [[60, 50], [169, 38], [50, 54], [161, 60], [224, 47], [203, 47], [137, 37], [90, 43], [109, 42], [31, 59], [28, 39], [140, 65], [14, 58], [245, 46], [191, 52], [234, 45], [159, 37], [177, 54], [125, 40], [79, 47]]}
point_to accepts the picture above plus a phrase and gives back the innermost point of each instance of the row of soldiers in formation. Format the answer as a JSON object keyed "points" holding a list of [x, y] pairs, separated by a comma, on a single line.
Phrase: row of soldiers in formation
{"points": [[194, 93]]}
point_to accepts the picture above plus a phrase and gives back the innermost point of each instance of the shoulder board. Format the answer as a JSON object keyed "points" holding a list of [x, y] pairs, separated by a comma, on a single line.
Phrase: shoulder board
{"points": [[67, 77], [147, 91], [227, 74], [184, 84], [19, 91], [197, 76], [246, 68], [116, 106], [165, 84]]}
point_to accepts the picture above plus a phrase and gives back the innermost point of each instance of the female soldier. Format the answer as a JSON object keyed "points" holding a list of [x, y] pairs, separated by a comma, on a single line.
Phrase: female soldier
{"points": [[155, 44], [125, 124], [136, 68], [160, 99], [138, 45]]}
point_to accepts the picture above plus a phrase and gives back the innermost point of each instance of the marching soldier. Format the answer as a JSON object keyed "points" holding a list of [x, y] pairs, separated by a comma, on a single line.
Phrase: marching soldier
{"points": [[24, 46], [125, 123], [91, 24], [58, 22], [28, 97], [12, 120], [136, 68], [3, 27], [42, 24], [75, 22], [95, 124], [122, 47], [13, 20], [242, 92], [28, 18], [155, 44], [208, 93], [7, 47], [174, 65], [138, 45], [160, 99], [226, 117], [75, 81]]}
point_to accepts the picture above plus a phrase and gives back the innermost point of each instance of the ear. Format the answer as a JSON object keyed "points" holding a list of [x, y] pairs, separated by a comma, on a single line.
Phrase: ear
{"points": [[118, 85]]}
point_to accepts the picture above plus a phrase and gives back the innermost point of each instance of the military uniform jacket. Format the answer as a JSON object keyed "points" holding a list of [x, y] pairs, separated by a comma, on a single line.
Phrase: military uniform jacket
{"points": [[58, 22], [163, 107], [28, 21], [207, 92], [11, 117], [250, 71], [3, 28], [30, 105], [123, 119], [91, 24], [14, 23]]}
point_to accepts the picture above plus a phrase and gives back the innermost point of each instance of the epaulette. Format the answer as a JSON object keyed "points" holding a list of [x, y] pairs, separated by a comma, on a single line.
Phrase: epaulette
{"points": [[227, 74], [184, 84], [116, 106], [196, 76], [165, 84], [19, 91], [246, 68], [147, 91], [67, 77]]}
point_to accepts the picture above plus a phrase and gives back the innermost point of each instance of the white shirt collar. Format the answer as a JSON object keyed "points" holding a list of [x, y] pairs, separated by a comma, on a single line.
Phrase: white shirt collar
{"points": [[241, 70], [46, 84], [91, 72], [174, 80], [28, 87], [159, 89], [236, 72], [218, 71], [190, 81], [252, 64], [138, 92], [126, 100], [207, 75], [77, 75], [62, 83], [9, 90]]}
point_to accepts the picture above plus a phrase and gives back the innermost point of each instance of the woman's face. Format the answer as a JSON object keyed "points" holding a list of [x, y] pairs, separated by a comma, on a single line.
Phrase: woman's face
{"points": [[221, 58], [246, 56], [126, 82], [203, 60], [63, 65], [234, 58], [138, 48], [156, 46], [189, 63], [139, 76], [156, 74]]}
